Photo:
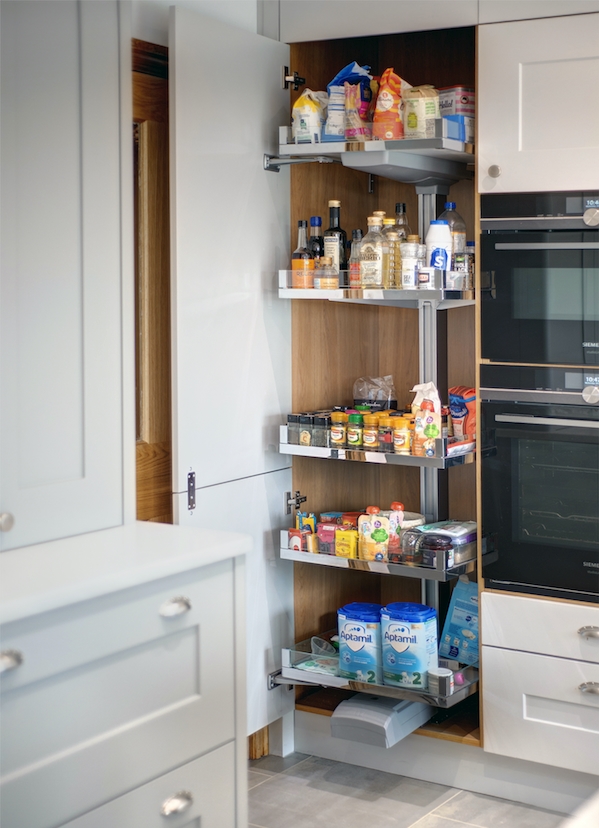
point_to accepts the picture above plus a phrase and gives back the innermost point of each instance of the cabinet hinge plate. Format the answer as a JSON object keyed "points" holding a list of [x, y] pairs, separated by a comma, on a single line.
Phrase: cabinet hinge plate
{"points": [[191, 491]]}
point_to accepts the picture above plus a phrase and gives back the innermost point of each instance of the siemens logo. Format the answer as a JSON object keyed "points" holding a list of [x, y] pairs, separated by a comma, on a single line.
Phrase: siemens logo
{"points": [[590, 344], [591, 563]]}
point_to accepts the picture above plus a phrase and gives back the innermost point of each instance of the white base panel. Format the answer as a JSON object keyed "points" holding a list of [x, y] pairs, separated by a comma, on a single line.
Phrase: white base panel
{"points": [[448, 763]]}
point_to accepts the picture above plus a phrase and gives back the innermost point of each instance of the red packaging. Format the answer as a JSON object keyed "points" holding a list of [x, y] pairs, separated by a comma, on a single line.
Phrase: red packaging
{"points": [[298, 540], [387, 123], [351, 519], [326, 538]]}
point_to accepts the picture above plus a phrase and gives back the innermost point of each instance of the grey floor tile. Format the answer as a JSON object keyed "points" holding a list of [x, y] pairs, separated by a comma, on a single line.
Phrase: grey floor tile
{"points": [[276, 764], [255, 778], [322, 792], [432, 821], [489, 812]]}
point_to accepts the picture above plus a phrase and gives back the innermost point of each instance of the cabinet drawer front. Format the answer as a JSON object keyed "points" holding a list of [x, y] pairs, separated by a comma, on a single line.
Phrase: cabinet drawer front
{"points": [[537, 626], [533, 709], [210, 781], [132, 694]]}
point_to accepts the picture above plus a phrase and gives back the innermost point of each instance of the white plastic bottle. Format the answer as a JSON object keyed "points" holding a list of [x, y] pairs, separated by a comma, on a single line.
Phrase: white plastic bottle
{"points": [[438, 245], [457, 228]]}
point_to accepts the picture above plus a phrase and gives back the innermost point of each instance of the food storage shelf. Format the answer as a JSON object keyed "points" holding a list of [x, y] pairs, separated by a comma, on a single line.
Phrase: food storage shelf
{"points": [[423, 161], [446, 454], [426, 573], [300, 666], [442, 298]]}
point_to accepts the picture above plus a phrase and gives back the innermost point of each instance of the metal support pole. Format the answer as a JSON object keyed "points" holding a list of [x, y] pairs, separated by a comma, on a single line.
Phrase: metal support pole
{"points": [[429, 201]]}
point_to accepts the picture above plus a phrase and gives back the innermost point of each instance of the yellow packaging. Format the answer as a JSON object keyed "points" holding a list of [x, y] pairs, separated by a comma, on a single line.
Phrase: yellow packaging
{"points": [[306, 520], [373, 536], [346, 543]]}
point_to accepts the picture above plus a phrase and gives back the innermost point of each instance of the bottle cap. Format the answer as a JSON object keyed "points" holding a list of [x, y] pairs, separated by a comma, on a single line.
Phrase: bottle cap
{"points": [[372, 510], [450, 205], [315, 221], [389, 221], [334, 204], [302, 223], [439, 221], [357, 235], [414, 238], [326, 260], [380, 213], [397, 506], [400, 207], [427, 405], [373, 220], [470, 244]]}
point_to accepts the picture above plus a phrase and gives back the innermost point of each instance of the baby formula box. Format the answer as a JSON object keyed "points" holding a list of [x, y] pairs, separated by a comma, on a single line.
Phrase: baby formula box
{"points": [[409, 644], [360, 642]]}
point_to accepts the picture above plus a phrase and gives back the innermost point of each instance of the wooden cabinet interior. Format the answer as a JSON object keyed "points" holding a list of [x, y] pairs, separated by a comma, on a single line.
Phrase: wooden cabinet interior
{"points": [[334, 343]]}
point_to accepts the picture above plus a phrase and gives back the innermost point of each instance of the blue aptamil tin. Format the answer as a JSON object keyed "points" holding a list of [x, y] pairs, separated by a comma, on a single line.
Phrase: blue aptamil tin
{"points": [[409, 644], [360, 642]]}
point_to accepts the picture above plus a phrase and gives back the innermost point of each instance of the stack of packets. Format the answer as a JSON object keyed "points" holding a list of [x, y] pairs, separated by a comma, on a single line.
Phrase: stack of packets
{"points": [[459, 428]]}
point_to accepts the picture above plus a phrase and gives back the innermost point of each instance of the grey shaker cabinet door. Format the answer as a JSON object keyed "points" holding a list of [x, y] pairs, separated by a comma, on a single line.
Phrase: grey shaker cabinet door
{"points": [[111, 694], [210, 781], [60, 286]]}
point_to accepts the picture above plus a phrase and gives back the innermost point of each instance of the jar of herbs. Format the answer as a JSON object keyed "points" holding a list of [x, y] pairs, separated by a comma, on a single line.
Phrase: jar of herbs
{"points": [[386, 434], [370, 433], [293, 429], [306, 423], [338, 429], [321, 431], [355, 431]]}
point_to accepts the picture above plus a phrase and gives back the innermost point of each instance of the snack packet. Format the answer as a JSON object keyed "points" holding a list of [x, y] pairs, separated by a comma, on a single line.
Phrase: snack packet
{"points": [[462, 406], [388, 123], [334, 129], [308, 116], [357, 125]]}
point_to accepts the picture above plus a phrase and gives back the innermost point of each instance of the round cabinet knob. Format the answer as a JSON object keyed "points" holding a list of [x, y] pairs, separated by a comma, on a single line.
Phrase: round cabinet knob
{"points": [[9, 659], [175, 606], [7, 522], [591, 217], [176, 804], [591, 687], [590, 394], [494, 171]]}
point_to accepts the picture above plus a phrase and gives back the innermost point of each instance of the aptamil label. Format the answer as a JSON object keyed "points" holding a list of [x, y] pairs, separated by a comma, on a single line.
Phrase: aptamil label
{"points": [[409, 649], [360, 650]]}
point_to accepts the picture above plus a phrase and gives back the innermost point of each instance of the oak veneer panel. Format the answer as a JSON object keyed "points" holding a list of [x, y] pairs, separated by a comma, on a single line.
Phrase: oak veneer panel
{"points": [[442, 57], [258, 744], [462, 492], [397, 331], [154, 499], [150, 98]]}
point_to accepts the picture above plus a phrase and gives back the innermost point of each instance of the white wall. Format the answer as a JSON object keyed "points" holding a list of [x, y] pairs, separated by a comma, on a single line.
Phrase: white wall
{"points": [[150, 17]]}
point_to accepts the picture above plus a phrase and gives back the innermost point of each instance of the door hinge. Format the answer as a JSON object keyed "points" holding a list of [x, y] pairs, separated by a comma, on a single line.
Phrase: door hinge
{"points": [[191, 491], [293, 502], [292, 80]]}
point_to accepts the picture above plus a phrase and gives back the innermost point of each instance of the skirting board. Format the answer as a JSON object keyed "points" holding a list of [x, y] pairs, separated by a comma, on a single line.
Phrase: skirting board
{"points": [[448, 763]]}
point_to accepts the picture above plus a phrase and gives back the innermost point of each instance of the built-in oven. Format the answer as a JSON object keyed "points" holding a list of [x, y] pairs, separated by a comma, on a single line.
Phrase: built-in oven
{"points": [[540, 278], [540, 480]]}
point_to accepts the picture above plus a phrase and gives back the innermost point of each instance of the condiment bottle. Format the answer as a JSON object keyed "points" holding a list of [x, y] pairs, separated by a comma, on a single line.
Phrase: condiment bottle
{"points": [[373, 255], [338, 429], [386, 434], [355, 428], [401, 435], [409, 262], [392, 275], [328, 277], [401, 221], [302, 261], [354, 259], [370, 436], [316, 240]]}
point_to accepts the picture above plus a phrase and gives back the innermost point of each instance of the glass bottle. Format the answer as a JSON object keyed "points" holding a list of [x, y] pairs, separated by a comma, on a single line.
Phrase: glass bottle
{"points": [[302, 262], [316, 240], [401, 220], [457, 227], [326, 277], [335, 239], [354, 259], [372, 255], [392, 274]]}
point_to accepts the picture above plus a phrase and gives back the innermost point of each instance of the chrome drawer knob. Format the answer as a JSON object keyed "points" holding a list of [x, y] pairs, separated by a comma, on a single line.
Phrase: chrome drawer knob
{"points": [[9, 659], [494, 171], [591, 217], [7, 522], [591, 687], [176, 804], [590, 394], [589, 632], [175, 606]]}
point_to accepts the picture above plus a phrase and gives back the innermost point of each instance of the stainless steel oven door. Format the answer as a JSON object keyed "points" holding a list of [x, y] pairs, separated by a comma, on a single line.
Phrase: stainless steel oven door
{"points": [[540, 493]]}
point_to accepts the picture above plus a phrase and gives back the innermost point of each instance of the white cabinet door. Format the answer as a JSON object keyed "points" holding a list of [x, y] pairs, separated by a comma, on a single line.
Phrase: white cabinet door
{"points": [[538, 105], [255, 506], [497, 11], [305, 20], [230, 234], [534, 708], [60, 374]]}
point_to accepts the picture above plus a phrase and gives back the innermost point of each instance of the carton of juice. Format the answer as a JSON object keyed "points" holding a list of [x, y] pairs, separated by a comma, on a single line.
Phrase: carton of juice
{"points": [[373, 535]]}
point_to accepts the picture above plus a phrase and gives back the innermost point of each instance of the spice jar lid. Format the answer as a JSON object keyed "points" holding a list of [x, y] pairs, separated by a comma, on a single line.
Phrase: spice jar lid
{"points": [[400, 422], [323, 421], [370, 419], [386, 422], [356, 418], [293, 418], [306, 419], [339, 417]]}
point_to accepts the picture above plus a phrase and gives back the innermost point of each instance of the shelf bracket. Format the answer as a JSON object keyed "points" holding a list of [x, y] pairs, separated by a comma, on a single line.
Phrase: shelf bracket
{"points": [[273, 163]]}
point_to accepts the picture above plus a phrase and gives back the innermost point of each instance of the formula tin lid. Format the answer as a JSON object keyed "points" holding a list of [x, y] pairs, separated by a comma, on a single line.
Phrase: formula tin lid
{"points": [[406, 611], [358, 611]]}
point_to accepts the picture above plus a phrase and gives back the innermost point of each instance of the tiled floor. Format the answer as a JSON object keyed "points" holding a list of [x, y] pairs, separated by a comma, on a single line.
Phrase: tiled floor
{"points": [[307, 792]]}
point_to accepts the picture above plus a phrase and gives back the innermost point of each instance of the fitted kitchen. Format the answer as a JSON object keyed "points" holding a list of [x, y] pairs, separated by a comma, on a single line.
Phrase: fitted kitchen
{"points": [[385, 552]]}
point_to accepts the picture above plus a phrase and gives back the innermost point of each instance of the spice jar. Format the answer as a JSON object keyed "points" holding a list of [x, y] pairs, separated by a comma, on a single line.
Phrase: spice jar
{"points": [[338, 429], [293, 429], [386, 434], [321, 431], [370, 436], [433, 545], [306, 422], [355, 431], [401, 435]]}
